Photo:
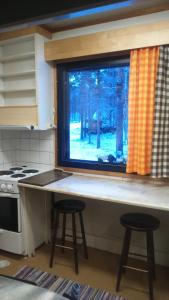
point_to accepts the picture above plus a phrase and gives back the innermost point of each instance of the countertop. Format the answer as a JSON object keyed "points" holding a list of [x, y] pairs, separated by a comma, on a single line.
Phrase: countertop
{"points": [[112, 189]]}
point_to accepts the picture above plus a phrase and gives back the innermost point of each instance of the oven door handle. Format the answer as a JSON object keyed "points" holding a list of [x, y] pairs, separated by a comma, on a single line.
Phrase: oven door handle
{"points": [[8, 195]]}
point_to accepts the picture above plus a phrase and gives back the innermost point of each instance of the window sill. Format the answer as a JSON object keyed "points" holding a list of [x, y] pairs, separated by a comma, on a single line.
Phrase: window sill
{"points": [[123, 176]]}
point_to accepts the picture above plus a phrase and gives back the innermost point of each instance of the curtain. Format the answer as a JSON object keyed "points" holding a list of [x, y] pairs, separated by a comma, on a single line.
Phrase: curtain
{"points": [[143, 69], [160, 151]]}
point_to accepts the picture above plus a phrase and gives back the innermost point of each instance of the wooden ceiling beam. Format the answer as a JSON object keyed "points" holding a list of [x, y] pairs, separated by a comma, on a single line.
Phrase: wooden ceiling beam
{"points": [[106, 42]]}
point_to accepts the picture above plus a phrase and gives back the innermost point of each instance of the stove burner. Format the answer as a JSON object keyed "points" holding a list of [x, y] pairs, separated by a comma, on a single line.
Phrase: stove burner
{"points": [[16, 169], [30, 171], [6, 173], [18, 175]]}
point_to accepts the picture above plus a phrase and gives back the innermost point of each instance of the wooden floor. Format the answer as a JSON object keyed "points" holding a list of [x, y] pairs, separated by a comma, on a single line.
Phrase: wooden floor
{"points": [[98, 271]]}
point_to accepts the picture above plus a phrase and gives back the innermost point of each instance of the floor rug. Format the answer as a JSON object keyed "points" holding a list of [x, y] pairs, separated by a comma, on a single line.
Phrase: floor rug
{"points": [[62, 285]]}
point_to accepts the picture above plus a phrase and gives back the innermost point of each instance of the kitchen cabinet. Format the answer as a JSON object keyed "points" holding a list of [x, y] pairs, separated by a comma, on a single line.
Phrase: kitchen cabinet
{"points": [[26, 94]]}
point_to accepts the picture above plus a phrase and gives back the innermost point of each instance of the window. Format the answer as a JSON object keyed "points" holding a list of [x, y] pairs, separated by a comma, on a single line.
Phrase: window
{"points": [[93, 114]]}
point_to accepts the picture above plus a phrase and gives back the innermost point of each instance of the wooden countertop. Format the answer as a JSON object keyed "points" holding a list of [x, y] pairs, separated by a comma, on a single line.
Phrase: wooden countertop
{"points": [[111, 189]]}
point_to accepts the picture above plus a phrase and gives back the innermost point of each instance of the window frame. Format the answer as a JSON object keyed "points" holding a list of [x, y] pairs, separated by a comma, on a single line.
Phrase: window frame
{"points": [[63, 112]]}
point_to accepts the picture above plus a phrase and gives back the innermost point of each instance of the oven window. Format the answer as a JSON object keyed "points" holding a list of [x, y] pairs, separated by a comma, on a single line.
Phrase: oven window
{"points": [[8, 214]]}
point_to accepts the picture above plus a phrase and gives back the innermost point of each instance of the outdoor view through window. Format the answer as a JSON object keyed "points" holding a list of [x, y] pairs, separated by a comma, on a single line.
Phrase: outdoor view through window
{"points": [[98, 114], [97, 121]]}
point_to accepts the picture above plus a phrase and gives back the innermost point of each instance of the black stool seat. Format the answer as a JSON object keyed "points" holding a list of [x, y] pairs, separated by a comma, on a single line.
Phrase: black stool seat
{"points": [[139, 221], [142, 223], [69, 206], [65, 207]]}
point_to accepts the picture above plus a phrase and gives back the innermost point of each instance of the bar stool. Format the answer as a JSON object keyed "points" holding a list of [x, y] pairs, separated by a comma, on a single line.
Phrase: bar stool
{"points": [[65, 207], [142, 223]]}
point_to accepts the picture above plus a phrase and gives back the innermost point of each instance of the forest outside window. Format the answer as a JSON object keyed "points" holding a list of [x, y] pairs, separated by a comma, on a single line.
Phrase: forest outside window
{"points": [[93, 114]]}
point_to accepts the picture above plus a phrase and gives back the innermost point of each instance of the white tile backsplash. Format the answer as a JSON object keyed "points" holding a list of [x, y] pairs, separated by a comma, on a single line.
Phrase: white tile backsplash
{"points": [[27, 148]]}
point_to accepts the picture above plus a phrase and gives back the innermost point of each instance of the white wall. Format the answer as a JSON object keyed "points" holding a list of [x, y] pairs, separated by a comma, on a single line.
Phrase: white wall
{"points": [[146, 19], [31, 148], [7, 148], [104, 232], [35, 148]]}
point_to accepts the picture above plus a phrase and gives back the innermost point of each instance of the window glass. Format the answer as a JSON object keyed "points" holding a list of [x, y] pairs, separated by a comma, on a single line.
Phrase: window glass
{"points": [[96, 114]]}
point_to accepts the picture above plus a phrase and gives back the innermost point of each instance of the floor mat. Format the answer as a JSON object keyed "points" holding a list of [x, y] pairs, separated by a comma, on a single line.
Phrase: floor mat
{"points": [[62, 285]]}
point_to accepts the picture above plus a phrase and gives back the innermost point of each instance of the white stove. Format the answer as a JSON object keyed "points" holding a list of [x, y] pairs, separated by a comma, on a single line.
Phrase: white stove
{"points": [[10, 177], [12, 210]]}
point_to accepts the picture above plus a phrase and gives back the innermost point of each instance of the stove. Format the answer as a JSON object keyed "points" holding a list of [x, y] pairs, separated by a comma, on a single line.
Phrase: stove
{"points": [[13, 210], [9, 178]]}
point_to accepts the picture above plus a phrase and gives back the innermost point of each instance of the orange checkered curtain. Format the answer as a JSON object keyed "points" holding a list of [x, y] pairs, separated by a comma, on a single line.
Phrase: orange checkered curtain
{"points": [[143, 69]]}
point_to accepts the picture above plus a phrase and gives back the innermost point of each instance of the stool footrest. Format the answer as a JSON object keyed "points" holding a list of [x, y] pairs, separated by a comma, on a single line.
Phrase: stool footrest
{"points": [[137, 254], [65, 247], [135, 269], [78, 237]]}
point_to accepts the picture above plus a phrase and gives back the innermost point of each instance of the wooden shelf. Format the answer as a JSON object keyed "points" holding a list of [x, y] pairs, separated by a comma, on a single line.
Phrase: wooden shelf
{"points": [[25, 95], [17, 90], [20, 56], [22, 73], [15, 106], [18, 115]]}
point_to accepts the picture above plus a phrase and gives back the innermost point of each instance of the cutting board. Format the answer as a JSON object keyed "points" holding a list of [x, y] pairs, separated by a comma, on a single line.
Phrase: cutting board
{"points": [[45, 178]]}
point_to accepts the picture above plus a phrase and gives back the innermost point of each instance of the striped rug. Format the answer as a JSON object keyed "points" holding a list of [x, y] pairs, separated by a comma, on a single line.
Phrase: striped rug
{"points": [[62, 285]]}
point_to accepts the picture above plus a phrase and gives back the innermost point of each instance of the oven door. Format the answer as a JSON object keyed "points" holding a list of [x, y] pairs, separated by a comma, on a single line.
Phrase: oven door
{"points": [[10, 212]]}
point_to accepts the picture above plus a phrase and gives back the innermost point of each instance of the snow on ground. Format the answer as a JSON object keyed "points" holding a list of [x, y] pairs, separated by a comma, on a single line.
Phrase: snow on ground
{"points": [[82, 150]]}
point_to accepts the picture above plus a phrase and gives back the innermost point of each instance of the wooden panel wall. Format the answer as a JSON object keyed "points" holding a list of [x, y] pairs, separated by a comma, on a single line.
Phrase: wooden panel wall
{"points": [[109, 41]]}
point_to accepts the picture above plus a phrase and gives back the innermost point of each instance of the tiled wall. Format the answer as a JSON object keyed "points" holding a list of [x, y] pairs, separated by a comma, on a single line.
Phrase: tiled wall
{"points": [[103, 229], [32, 148], [7, 148]]}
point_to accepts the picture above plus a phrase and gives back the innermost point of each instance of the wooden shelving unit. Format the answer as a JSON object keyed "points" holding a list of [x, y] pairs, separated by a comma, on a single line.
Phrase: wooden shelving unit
{"points": [[17, 90], [18, 57], [16, 74], [25, 83]]}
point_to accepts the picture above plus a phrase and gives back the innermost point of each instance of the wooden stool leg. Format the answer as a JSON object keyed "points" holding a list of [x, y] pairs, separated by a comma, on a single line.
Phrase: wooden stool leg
{"points": [[150, 264], [63, 231], [124, 256], [151, 239], [83, 235], [126, 251], [56, 222], [52, 212], [75, 242]]}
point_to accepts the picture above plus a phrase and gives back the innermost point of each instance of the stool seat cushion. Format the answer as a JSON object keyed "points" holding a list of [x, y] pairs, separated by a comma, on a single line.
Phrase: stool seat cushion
{"points": [[69, 205], [139, 221]]}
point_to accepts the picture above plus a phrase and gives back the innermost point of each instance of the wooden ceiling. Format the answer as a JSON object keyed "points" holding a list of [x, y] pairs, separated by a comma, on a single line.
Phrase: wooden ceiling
{"points": [[128, 10]]}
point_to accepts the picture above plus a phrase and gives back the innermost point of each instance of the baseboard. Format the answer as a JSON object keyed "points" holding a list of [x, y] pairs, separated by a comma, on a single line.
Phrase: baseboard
{"points": [[114, 246]]}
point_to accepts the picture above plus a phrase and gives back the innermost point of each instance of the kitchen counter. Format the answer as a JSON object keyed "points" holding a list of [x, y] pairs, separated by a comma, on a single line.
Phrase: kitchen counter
{"points": [[112, 189]]}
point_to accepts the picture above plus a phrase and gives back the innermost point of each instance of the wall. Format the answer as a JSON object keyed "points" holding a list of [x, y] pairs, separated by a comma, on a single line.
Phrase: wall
{"points": [[146, 19], [102, 221], [7, 148], [31, 148]]}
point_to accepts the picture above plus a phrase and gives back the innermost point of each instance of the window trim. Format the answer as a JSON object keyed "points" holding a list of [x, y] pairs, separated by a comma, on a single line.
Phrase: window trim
{"points": [[63, 111]]}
